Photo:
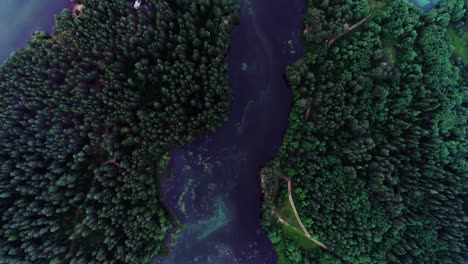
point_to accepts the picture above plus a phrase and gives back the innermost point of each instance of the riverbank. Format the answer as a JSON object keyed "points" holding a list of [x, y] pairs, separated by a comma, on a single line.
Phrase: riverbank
{"points": [[374, 115], [20, 19], [216, 178]]}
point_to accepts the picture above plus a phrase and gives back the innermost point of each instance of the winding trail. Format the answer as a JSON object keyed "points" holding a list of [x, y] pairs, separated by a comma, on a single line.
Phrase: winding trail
{"points": [[353, 27], [374, 5], [291, 201], [296, 214]]}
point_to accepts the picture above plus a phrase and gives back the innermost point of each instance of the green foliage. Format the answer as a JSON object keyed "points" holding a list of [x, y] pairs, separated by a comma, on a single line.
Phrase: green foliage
{"points": [[293, 230], [379, 164], [87, 116], [460, 43]]}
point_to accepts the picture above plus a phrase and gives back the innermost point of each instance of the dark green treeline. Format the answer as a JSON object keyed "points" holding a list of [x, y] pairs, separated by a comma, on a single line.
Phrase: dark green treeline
{"points": [[86, 116], [377, 143]]}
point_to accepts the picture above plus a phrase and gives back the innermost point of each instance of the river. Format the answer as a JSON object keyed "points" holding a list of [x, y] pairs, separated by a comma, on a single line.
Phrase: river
{"points": [[215, 189]]}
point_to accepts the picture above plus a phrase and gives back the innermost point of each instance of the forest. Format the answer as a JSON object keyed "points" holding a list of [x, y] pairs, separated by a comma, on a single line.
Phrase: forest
{"points": [[377, 144], [87, 115]]}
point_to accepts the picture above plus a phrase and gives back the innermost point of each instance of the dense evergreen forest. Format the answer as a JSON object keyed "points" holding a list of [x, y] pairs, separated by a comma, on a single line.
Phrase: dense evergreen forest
{"points": [[377, 144], [86, 118]]}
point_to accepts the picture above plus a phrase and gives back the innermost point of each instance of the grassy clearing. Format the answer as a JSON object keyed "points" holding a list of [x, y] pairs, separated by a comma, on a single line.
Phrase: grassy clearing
{"points": [[298, 236], [459, 42], [377, 6], [389, 46], [287, 213], [294, 231]]}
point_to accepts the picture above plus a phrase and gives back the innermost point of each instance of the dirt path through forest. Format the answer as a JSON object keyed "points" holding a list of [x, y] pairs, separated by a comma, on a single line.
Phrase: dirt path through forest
{"points": [[291, 201]]}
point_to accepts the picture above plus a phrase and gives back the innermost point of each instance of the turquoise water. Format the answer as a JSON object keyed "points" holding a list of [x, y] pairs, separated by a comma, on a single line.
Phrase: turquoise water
{"points": [[425, 5], [215, 191], [20, 18], [221, 205]]}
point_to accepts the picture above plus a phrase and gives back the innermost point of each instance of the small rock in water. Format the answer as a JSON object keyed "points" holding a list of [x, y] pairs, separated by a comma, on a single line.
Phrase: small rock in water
{"points": [[291, 47], [186, 168], [244, 66]]}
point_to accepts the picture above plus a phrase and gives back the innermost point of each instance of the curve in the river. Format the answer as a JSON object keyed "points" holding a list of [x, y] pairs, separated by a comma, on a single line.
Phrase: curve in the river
{"points": [[215, 191]]}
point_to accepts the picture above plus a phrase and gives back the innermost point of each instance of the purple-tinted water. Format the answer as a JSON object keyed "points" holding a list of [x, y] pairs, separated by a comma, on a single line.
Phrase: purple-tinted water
{"points": [[19, 19], [216, 189]]}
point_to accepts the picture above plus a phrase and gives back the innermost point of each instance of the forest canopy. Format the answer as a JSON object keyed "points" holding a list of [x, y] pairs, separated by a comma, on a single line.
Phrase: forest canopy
{"points": [[377, 144], [87, 115]]}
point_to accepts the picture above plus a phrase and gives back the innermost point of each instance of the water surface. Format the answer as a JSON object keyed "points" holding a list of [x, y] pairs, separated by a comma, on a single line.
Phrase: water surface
{"points": [[425, 5], [215, 191], [20, 18]]}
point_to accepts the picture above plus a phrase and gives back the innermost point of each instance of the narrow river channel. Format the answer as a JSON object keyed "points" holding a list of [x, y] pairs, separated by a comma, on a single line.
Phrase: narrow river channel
{"points": [[215, 189]]}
